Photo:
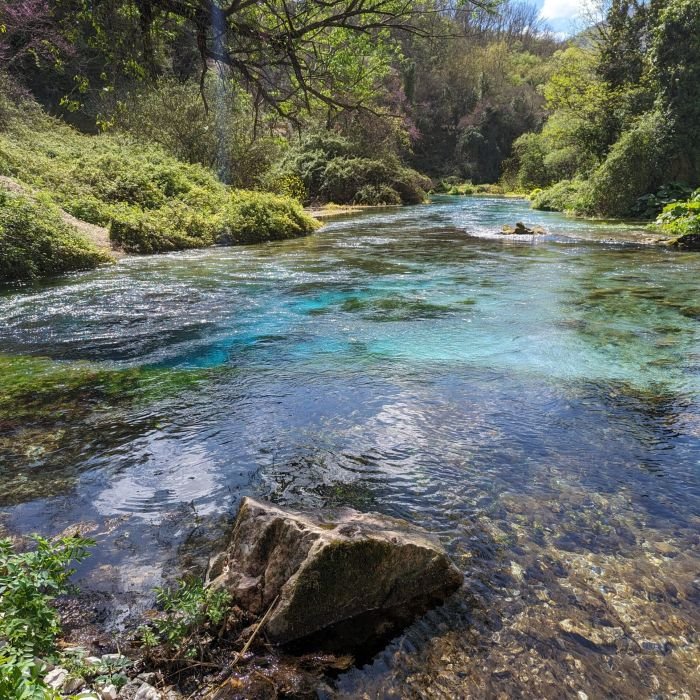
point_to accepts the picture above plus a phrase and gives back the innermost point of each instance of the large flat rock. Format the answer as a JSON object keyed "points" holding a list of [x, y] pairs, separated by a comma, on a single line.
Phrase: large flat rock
{"points": [[340, 579]]}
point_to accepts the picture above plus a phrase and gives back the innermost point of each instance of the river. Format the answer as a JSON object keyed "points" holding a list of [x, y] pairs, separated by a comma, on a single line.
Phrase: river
{"points": [[535, 402]]}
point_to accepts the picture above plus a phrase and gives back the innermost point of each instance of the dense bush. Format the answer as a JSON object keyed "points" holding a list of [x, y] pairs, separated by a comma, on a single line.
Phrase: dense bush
{"points": [[467, 188], [567, 195], [651, 205], [34, 241], [332, 170], [251, 217], [529, 153], [634, 167], [374, 195], [218, 134]]}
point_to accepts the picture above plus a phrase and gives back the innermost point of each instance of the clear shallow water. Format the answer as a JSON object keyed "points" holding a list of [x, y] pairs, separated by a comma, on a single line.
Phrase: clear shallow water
{"points": [[534, 402]]}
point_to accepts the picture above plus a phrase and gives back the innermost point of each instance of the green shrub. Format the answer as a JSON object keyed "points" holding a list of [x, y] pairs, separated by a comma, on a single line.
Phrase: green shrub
{"points": [[632, 168], [34, 241], [489, 189], [529, 158], [173, 227], [649, 206], [373, 195], [193, 616], [567, 196], [464, 188], [681, 220], [29, 624], [563, 163], [252, 217], [333, 171], [150, 201], [285, 184]]}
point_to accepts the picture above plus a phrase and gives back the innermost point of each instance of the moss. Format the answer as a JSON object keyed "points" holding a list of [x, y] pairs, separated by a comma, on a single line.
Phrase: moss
{"points": [[35, 241], [49, 412]]}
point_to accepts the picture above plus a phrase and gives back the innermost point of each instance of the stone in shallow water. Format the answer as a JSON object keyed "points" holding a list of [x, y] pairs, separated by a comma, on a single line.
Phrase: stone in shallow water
{"points": [[342, 579], [520, 229]]}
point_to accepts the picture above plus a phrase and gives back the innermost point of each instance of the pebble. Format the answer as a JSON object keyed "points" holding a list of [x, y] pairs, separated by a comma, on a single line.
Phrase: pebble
{"points": [[72, 684], [109, 692], [147, 692], [55, 679]]}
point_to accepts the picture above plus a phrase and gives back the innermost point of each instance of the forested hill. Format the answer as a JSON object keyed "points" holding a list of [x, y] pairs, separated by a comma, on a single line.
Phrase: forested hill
{"points": [[356, 102]]}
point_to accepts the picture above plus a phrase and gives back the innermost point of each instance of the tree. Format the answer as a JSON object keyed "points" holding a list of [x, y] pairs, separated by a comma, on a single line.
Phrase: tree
{"points": [[28, 33], [292, 53], [675, 58]]}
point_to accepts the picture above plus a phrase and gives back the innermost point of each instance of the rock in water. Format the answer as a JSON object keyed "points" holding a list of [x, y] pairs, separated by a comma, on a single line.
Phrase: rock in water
{"points": [[341, 580], [521, 230]]}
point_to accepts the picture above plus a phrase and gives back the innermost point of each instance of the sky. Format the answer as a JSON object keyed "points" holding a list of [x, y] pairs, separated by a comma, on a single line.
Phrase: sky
{"points": [[562, 15]]}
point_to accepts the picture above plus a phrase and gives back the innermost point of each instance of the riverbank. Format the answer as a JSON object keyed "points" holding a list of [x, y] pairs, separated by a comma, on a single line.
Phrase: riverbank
{"points": [[70, 188]]}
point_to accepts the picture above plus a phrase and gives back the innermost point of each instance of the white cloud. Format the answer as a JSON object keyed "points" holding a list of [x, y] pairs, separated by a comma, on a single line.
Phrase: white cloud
{"points": [[562, 9]]}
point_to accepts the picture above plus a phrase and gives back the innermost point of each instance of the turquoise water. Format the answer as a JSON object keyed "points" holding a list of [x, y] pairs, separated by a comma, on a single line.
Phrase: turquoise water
{"points": [[533, 401]]}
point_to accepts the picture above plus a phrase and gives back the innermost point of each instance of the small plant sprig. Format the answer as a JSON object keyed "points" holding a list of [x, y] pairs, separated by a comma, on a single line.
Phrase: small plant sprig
{"points": [[194, 616]]}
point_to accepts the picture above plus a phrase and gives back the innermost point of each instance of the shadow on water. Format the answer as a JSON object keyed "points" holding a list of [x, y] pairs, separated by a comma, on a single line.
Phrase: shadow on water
{"points": [[536, 404]]}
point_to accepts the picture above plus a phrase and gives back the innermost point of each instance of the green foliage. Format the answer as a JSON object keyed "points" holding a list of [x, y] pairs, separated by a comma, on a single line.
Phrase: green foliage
{"points": [[150, 201], [29, 624], [374, 195], [633, 167], [106, 671], [252, 217], [193, 615], [34, 241], [675, 62], [29, 581], [465, 188], [222, 137], [529, 152], [568, 196], [651, 205], [286, 185], [174, 226], [332, 171], [681, 220], [624, 111]]}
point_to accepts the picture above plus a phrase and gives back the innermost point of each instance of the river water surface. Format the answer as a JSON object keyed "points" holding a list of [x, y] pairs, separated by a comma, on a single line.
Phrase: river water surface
{"points": [[534, 402]]}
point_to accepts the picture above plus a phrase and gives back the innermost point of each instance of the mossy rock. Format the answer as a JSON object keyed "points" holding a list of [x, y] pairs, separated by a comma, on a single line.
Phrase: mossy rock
{"points": [[689, 241], [341, 580]]}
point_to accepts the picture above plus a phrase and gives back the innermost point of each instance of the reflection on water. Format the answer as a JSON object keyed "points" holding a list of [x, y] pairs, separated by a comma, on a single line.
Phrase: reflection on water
{"points": [[534, 402]]}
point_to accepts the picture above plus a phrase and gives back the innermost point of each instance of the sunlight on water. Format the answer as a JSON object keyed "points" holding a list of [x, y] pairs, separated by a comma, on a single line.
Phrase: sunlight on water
{"points": [[535, 402]]}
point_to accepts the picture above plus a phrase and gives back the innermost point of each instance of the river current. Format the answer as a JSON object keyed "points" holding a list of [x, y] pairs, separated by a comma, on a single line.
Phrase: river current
{"points": [[535, 402]]}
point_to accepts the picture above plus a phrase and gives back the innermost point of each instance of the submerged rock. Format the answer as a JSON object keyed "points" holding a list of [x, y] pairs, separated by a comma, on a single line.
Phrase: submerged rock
{"points": [[521, 230], [340, 581]]}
